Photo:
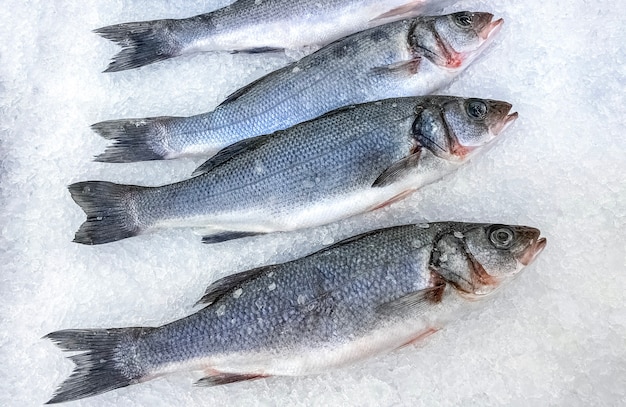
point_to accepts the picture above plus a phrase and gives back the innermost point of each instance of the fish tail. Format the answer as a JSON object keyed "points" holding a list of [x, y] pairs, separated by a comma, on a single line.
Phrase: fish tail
{"points": [[110, 208], [102, 365], [142, 43], [134, 139]]}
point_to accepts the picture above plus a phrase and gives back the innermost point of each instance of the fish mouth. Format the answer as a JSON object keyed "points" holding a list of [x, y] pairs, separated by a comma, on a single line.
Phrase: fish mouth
{"points": [[486, 35], [533, 250], [498, 120]]}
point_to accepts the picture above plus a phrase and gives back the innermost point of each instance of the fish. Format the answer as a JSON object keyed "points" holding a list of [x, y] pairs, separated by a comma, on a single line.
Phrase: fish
{"points": [[364, 296], [352, 160], [405, 58], [252, 26]]}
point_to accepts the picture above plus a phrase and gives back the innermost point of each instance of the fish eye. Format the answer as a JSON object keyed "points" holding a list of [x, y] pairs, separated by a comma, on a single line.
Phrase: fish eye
{"points": [[463, 20], [477, 109], [501, 237]]}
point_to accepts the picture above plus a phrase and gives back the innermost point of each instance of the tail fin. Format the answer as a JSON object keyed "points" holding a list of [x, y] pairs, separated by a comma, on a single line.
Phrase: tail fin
{"points": [[134, 139], [102, 366], [111, 213], [142, 43]]}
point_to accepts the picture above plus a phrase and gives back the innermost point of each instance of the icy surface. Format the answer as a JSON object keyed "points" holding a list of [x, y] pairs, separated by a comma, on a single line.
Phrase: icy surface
{"points": [[555, 336]]}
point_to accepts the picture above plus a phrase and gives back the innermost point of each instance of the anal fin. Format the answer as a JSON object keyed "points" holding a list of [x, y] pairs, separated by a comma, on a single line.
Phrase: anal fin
{"points": [[226, 236], [218, 378], [258, 50]]}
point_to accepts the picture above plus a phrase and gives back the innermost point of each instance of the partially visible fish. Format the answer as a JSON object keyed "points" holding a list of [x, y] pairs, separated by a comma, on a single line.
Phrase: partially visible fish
{"points": [[255, 26], [347, 162], [404, 58], [364, 296]]}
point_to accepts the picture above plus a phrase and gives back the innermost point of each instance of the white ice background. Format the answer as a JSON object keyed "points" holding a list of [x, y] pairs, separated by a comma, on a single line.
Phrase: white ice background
{"points": [[555, 336]]}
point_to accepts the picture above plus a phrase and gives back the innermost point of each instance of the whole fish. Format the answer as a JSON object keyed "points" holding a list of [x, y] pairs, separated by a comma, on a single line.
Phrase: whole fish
{"points": [[349, 161], [404, 58], [255, 26], [364, 296]]}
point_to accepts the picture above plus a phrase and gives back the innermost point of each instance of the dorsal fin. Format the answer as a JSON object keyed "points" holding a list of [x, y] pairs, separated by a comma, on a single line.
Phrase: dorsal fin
{"points": [[241, 91], [349, 240], [229, 152], [228, 284]]}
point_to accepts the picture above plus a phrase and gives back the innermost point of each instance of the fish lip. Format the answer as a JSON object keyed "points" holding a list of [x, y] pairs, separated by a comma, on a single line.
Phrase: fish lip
{"points": [[533, 251], [504, 124], [491, 29]]}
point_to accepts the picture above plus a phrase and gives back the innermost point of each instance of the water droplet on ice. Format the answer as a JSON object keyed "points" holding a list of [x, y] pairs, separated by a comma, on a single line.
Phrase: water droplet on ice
{"points": [[237, 293]]}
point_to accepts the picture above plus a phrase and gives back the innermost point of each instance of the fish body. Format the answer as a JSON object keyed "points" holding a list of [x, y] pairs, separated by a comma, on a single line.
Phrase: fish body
{"points": [[346, 162], [364, 296], [255, 26], [404, 58]]}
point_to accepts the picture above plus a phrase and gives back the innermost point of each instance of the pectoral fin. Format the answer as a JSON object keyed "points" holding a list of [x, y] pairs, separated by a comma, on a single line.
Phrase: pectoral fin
{"points": [[415, 301], [408, 68], [398, 170]]}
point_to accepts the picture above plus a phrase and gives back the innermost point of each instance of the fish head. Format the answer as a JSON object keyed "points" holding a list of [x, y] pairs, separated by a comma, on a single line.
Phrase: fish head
{"points": [[454, 128], [453, 41], [477, 258]]}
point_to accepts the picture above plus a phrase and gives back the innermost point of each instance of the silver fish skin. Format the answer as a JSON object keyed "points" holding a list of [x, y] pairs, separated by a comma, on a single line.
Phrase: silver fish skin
{"points": [[347, 162], [255, 26], [405, 58], [364, 296]]}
